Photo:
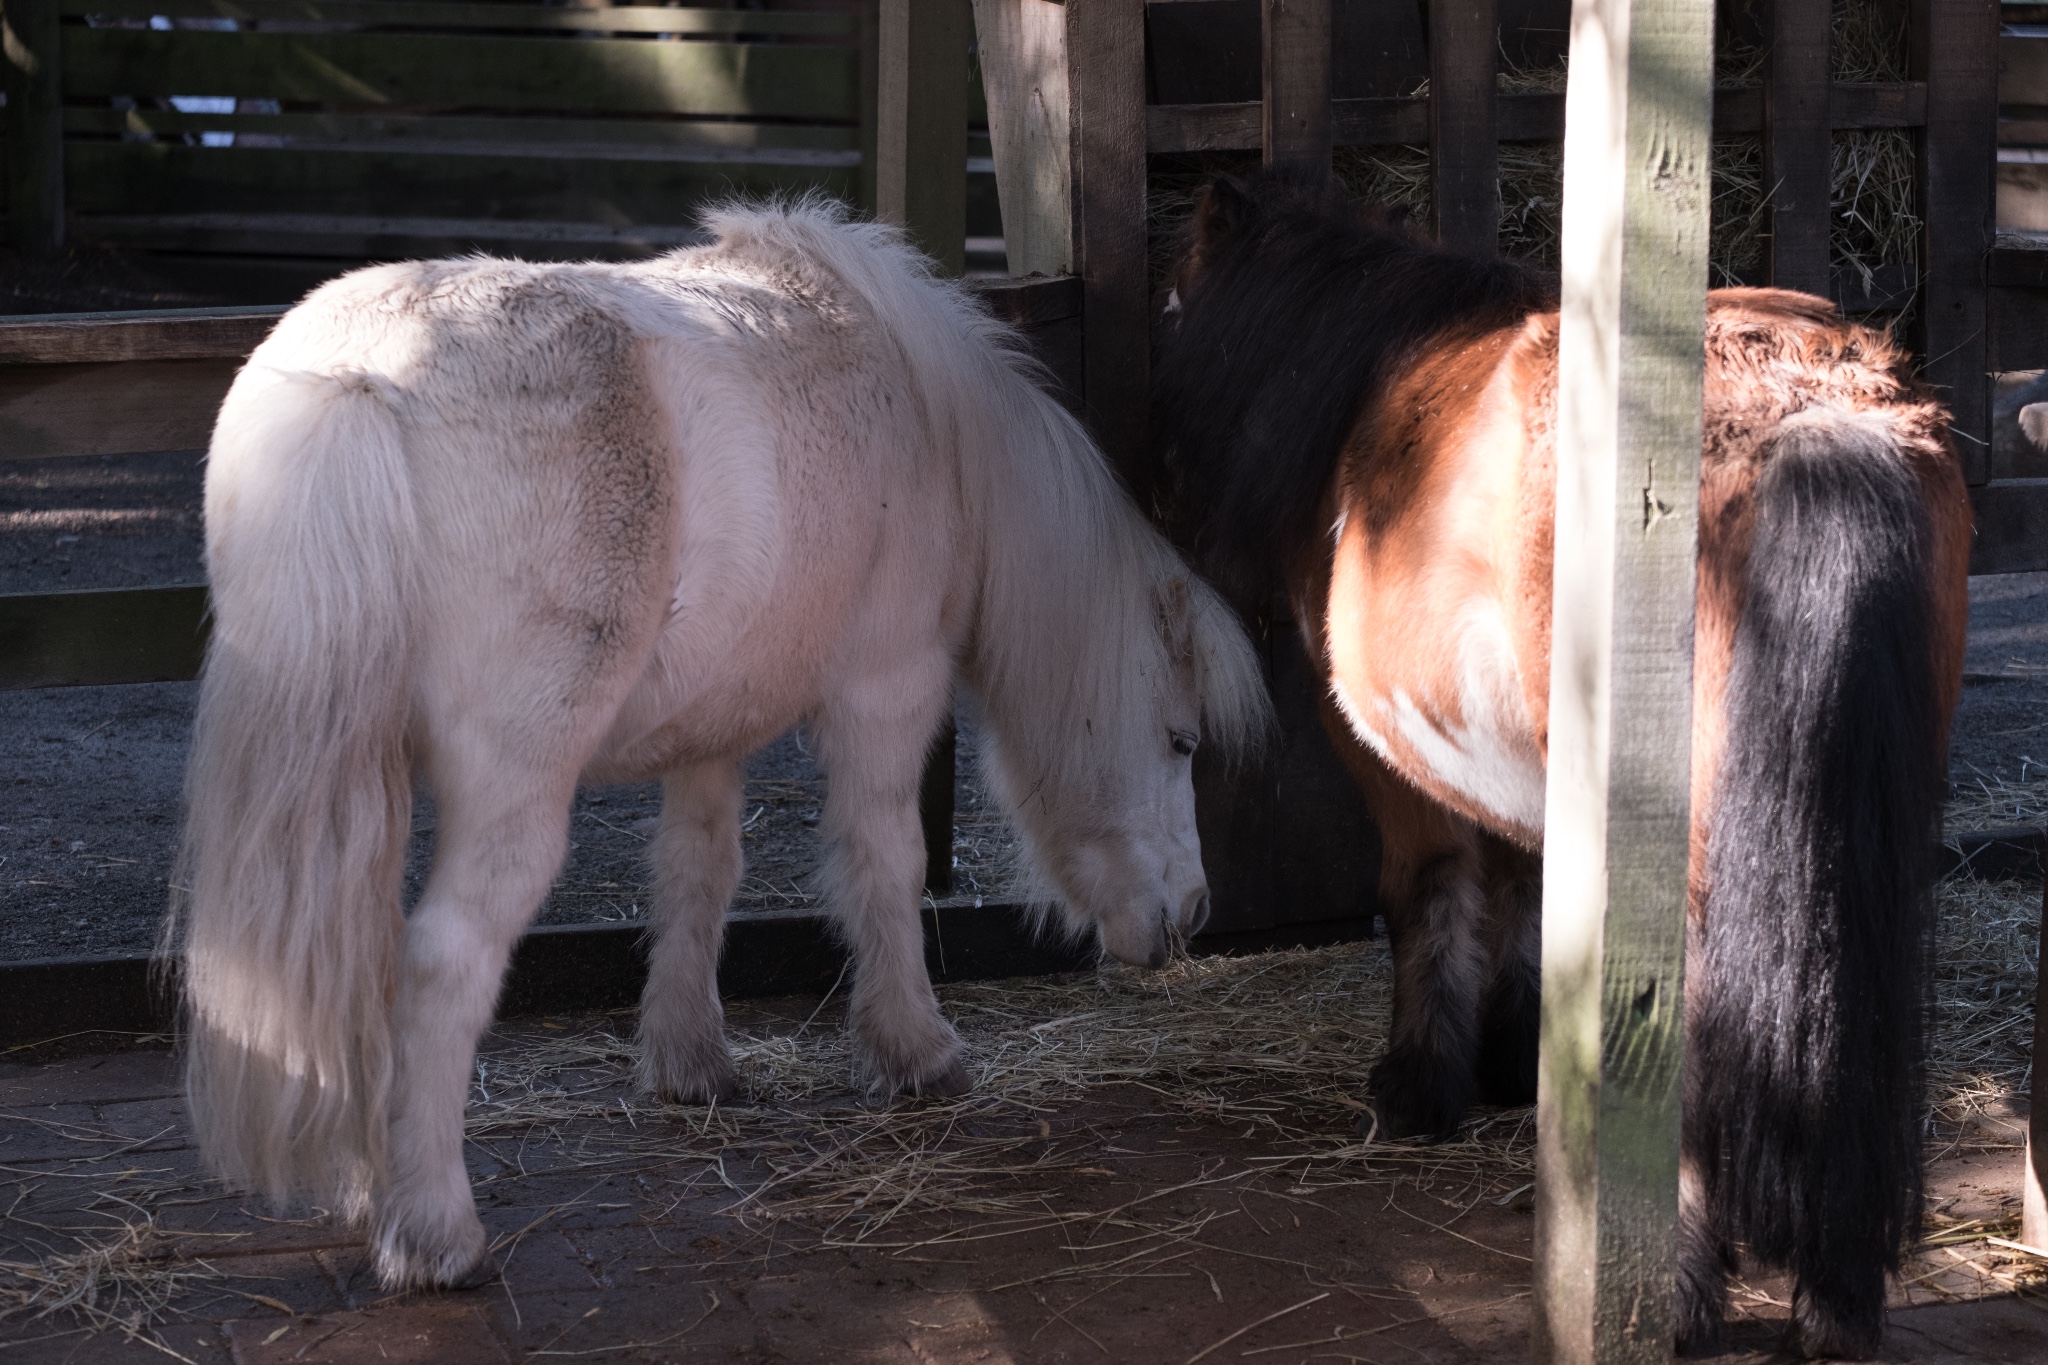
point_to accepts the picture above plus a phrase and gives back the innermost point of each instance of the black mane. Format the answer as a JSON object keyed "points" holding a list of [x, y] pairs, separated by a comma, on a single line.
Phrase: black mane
{"points": [[1297, 305]]}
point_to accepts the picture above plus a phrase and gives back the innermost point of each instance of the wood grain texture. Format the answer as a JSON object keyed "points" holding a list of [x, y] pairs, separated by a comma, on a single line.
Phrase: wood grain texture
{"points": [[1636, 196], [597, 74], [2034, 1178], [403, 14], [1106, 100], [30, 62], [145, 334], [1953, 48], [1023, 45], [1464, 143], [921, 124], [1295, 85], [110, 409], [96, 638], [1797, 129], [1404, 119]]}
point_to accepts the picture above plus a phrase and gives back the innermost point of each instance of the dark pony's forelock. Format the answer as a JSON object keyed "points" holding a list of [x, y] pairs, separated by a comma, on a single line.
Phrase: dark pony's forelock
{"points": [[1296, 304]]}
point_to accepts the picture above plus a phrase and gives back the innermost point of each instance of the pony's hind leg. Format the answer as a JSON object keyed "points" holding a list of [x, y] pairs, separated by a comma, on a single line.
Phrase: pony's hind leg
{"points": [[697, 867], [1426, 1080], [874, 873], [501, 837], [1511, 1014]]}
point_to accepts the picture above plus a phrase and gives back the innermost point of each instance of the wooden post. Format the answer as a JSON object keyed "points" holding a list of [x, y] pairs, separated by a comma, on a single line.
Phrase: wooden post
{"points": [[1295, 86], [1636, 158], [35, 126], [2033, 1203], [1106, 130], [1024, 75], [921, 184], [870, 38], [1953, 46], [921, 124], [1797, 136], [1464, 146]]}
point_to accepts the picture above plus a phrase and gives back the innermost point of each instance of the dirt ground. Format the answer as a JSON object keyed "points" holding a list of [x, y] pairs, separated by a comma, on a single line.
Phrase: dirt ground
{"points": [[1187, 1213]]}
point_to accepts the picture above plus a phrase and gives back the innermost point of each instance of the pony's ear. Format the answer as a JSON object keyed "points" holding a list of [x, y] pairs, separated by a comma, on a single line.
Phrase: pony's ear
{"points": [[1224, 207]]}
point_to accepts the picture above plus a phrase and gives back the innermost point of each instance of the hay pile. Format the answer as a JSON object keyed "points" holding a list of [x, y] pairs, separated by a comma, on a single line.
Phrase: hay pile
{"points": [[1274, 1047]]}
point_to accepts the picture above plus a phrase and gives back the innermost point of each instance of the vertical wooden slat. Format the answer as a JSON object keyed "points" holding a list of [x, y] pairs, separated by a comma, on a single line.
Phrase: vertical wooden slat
{"points": [[1295, 108], [921, 124], [1796, 135], [35, 126], [1464, 148], [1106, 103], [870, 102], [1954, 48], [1023, 47], [1637, 124], [2034, 1180]]}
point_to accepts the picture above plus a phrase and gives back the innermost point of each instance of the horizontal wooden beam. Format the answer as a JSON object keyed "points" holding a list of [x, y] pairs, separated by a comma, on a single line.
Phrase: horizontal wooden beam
{"points": [[101, 637], [401, 15], [143, 334], [566, 969], [1537, 117]]}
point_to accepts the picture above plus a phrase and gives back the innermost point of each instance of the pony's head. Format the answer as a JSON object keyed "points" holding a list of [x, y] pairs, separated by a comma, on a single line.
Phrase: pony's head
{"points": [[1101, 785]]}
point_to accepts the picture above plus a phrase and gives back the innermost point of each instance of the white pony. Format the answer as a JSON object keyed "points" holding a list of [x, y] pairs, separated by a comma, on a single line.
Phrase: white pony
{"points": [[504, 527]]}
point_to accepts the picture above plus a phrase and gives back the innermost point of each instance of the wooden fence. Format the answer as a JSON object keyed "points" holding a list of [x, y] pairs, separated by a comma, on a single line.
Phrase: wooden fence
{"points": [[253, 147]]}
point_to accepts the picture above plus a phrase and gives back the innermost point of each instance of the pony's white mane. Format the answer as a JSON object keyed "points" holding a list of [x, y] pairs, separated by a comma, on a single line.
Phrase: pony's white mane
{"points": [[1071, 572]]}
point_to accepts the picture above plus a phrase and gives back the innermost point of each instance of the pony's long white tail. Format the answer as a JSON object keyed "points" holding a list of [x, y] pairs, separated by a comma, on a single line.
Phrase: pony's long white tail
{"points": [[298, 793]]}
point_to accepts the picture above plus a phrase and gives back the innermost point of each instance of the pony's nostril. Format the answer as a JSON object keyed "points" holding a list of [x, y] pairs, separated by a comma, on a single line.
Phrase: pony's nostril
{"points": [[1197, 916]]}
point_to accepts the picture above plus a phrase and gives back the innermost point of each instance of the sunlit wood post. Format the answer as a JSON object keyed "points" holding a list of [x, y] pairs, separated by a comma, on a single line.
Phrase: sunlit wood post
{"points": [[1637, 119], [921, 185]]}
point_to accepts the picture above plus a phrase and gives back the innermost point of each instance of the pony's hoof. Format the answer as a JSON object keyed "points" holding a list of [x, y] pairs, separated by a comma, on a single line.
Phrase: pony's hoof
{"points": [[716, 1089], [459, 1261], [951, 1083], [1406, 1107], [1818, 1332]]}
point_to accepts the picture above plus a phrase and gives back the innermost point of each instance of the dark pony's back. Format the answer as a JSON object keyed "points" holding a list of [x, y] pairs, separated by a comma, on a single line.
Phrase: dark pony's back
{"points": [[1295, 303]]}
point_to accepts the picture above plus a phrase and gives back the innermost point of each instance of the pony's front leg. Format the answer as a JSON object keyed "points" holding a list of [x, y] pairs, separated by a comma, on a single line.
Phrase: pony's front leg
{"points": [[874, 874], [501, 838], [697, 866]]}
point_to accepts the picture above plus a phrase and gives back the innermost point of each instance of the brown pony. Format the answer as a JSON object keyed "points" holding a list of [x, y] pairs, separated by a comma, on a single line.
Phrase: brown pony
{"points": [[1366, 422]]}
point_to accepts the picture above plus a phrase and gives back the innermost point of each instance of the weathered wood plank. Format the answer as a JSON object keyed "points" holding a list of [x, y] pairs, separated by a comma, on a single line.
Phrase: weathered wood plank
{"points": [[2012, 526], [34, 127], [1023, 46], [1796, 144], [1464, 143], [1032, 302], [144, 334], [1106, 102], [723, 140], [1404, 119], [346, 237], [163, 177], [1953, 47], [91, 639], [921, 124], [105, 409], [1636, 194], [402, 14], [1295, 84], [783, 80]]}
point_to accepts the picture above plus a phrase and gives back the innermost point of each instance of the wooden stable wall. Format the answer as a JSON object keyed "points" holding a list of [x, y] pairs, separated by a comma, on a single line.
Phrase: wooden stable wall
{"points": [[253, 147]]}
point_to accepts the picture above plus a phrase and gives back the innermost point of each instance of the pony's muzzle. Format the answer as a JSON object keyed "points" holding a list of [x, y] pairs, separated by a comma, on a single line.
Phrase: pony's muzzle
{"points": [[1194, 912]]}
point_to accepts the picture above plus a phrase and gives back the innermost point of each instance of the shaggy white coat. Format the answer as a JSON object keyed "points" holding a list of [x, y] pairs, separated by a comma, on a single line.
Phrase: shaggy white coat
{"points": [[502, 527]]}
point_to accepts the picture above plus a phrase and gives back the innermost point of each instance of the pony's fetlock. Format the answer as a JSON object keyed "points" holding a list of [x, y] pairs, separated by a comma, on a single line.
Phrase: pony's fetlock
{"points": [[435, 1254], [1843, 1325], [917, 1053], [699, 1073], [1702, 1296], [1414, 1095]]}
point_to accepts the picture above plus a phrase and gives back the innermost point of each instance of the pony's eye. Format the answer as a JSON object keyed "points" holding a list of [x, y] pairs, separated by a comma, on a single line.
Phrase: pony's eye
{"points": [[1184, 742]]}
